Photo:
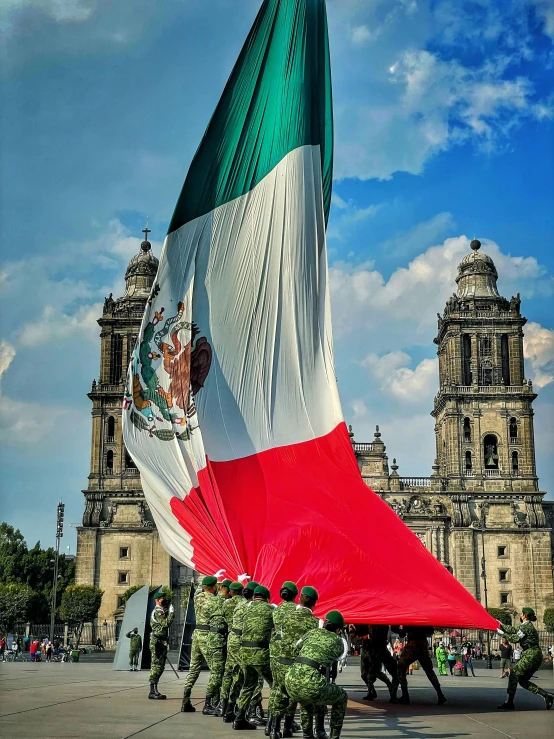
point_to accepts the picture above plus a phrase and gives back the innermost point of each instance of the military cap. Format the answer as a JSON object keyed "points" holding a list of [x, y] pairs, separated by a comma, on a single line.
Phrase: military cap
{"points": [[209, 580], [310, 592], [235, 586], [530, 613], [335, 618], [226, 583], [290, 586], [262, 591], [252, 585]]}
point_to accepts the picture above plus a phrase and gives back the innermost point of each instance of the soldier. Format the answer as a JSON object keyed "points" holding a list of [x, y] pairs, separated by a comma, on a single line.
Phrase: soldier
{"points": [[135, 649], [208, 641], [233, 651], [160, 621], [307, 681], [224, 591], [374, 654], [254, 653], [229, 607], [530, 661], [290, 627], [416, 648]]}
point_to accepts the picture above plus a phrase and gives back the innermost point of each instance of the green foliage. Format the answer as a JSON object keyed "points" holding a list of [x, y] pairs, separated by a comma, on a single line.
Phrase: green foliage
{"points": [[80, 605], [502, 615], [33, 567], [16, 602], [548, 619]]}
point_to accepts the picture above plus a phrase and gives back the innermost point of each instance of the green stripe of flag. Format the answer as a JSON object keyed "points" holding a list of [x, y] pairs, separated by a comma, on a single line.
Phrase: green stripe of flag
{"points": [[277, 99]]}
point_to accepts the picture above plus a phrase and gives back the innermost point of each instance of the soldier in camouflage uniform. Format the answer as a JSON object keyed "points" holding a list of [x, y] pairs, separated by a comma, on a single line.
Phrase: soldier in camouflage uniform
{"points": [[160, 621], [229, 607], [254, 653], [374, 654], [233, 652], [224, 591], [416, 649], [307, 681], [531, 659], [208, 642], [290, 627], [135, 649]]}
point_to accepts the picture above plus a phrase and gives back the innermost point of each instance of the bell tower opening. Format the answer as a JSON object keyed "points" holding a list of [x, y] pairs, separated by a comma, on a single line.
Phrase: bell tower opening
{"points": [[490, 452]]}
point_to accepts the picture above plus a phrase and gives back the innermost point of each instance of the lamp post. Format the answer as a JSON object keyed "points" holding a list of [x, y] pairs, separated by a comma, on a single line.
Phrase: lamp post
{"points": [[59, 534], [484, 510]]}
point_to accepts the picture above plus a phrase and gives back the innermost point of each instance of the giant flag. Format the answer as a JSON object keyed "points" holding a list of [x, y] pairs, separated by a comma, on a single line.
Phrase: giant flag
{"points": [[231, 410]]}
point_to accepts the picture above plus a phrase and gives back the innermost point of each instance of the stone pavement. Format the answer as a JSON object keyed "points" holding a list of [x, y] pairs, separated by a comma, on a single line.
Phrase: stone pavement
{"points": [[90, 701]]}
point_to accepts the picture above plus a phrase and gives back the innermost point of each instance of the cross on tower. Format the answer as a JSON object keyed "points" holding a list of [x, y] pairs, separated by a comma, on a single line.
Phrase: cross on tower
{"points": [[146, 231]]}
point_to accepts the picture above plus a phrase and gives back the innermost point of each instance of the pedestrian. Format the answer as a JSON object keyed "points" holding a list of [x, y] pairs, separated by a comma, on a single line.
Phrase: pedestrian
{"points": [[452, 658], [478, 651], [33, 649], [160, 621], [49, 652], [441, 655], [517, 654], [208, 643], [505, 657], [27, 643], [135, 648], [254, 653], [2, 648], [467, 651], [307, 681], [530, 661], [416, 649]]}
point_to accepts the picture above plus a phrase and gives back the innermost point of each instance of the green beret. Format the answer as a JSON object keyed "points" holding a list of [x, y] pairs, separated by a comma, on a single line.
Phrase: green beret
{"points": [[290, 586], [310, 592], [209, 580], [335, 618], [252, 585], [226, 583], [262, 591], [530, 613], [235, 586]]}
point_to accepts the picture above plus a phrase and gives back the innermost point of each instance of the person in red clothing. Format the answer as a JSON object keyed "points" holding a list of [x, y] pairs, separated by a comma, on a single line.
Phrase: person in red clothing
{"points": [[33, 649]]}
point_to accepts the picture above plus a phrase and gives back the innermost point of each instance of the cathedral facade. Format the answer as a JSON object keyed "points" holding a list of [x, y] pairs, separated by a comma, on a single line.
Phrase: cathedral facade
{"points": [[480, 512]]}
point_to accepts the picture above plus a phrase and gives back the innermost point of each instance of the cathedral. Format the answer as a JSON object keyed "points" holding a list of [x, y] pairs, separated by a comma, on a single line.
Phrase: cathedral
{"points": [[480, 512]]}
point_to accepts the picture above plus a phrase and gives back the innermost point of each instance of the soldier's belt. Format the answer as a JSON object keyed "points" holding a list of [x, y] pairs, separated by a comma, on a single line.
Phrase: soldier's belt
{"points": [[259, 644], [202, 627], [285, 661], [323, 669], [238, 632]]}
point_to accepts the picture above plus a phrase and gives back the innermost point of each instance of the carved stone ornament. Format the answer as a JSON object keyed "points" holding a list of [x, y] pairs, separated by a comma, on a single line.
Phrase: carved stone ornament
{"points": [[145, 522], [112, 510]]}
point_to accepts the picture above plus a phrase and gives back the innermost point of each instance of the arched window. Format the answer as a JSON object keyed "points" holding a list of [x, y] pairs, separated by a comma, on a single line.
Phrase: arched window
{"points": [[490, 452], [109, 462], [467, 429], [513, 429], [129, 462], [515, 462], [469, 463], [110, 428]]}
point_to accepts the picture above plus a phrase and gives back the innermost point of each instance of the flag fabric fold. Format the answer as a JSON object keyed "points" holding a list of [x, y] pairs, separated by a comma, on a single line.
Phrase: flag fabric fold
{"points": [[231, 410]]}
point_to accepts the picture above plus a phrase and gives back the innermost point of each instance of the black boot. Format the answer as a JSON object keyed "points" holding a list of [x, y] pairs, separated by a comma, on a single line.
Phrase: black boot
{"points": [[276, 729], [241, 723], [549, 700], [229, 715], [288, 731], [270, 722], [260, 715], [508, 705], [186, 705], [441, 698], [155, 694], [221, 708], [320, 732], [209, 708], [371, 694], [404, 699]]}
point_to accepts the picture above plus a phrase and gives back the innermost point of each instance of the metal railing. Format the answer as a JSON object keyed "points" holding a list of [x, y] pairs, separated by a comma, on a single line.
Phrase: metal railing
{"points": [[492, 473], [363, 447], [415, 482]]}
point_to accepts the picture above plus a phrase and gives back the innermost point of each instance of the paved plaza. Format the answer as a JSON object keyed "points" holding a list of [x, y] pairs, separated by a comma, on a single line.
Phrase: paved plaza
{"points": [[90, 701]]}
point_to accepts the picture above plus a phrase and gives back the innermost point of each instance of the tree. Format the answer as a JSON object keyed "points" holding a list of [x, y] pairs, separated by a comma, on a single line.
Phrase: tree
{"points": [[80, 605], [502, 615], [16, 601], [548, 619]]}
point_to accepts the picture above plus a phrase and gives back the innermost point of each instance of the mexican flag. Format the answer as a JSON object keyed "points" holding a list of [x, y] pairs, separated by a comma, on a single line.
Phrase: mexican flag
{"points": [[232, 413]]}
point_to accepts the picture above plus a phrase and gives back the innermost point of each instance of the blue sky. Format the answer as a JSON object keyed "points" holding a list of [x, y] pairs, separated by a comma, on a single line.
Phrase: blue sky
{"points": [[444, 115]]}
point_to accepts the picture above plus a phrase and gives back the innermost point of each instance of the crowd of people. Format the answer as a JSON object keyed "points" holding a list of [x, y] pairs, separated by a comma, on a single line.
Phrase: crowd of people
{"points": [[245, 640]]}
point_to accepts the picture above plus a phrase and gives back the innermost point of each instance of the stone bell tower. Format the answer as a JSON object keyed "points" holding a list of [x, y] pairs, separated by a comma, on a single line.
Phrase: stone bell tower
{"points": [[483, 410]]}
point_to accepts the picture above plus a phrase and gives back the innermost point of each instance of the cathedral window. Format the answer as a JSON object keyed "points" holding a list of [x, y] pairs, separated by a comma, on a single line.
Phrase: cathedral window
{"points": [[116, 359], [467, 429], [515, 462], [503, 575], [513, 429], [505, 352], [124, 552], [485, 361], [129, 462], [110, 429], [502, 550], [504, 598], [122, 578], [490, 450], [109, 462], [469, 463], [466, 359], [120, 602]]}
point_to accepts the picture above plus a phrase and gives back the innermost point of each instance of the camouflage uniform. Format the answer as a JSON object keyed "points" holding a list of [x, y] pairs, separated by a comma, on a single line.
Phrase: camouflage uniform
{"points": [[254, 653], [233, 655], [531, 658], [310, 687], [208, 641], [233, 644], [416, 649], [160, 621], [374, 654], [292, 622], [134, 649]]}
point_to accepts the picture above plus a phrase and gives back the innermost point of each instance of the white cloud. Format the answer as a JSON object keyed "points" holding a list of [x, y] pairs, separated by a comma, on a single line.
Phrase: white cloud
{"points": [[415, 386], [538, 348], [360, 34], [359, 408], [61, 11], [7, 353], [545, 11], [56, 326]]}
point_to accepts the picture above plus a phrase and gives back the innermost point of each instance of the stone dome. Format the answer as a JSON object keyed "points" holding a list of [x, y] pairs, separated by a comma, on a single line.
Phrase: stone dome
{"points": [[141, 272], [477, 275]]}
